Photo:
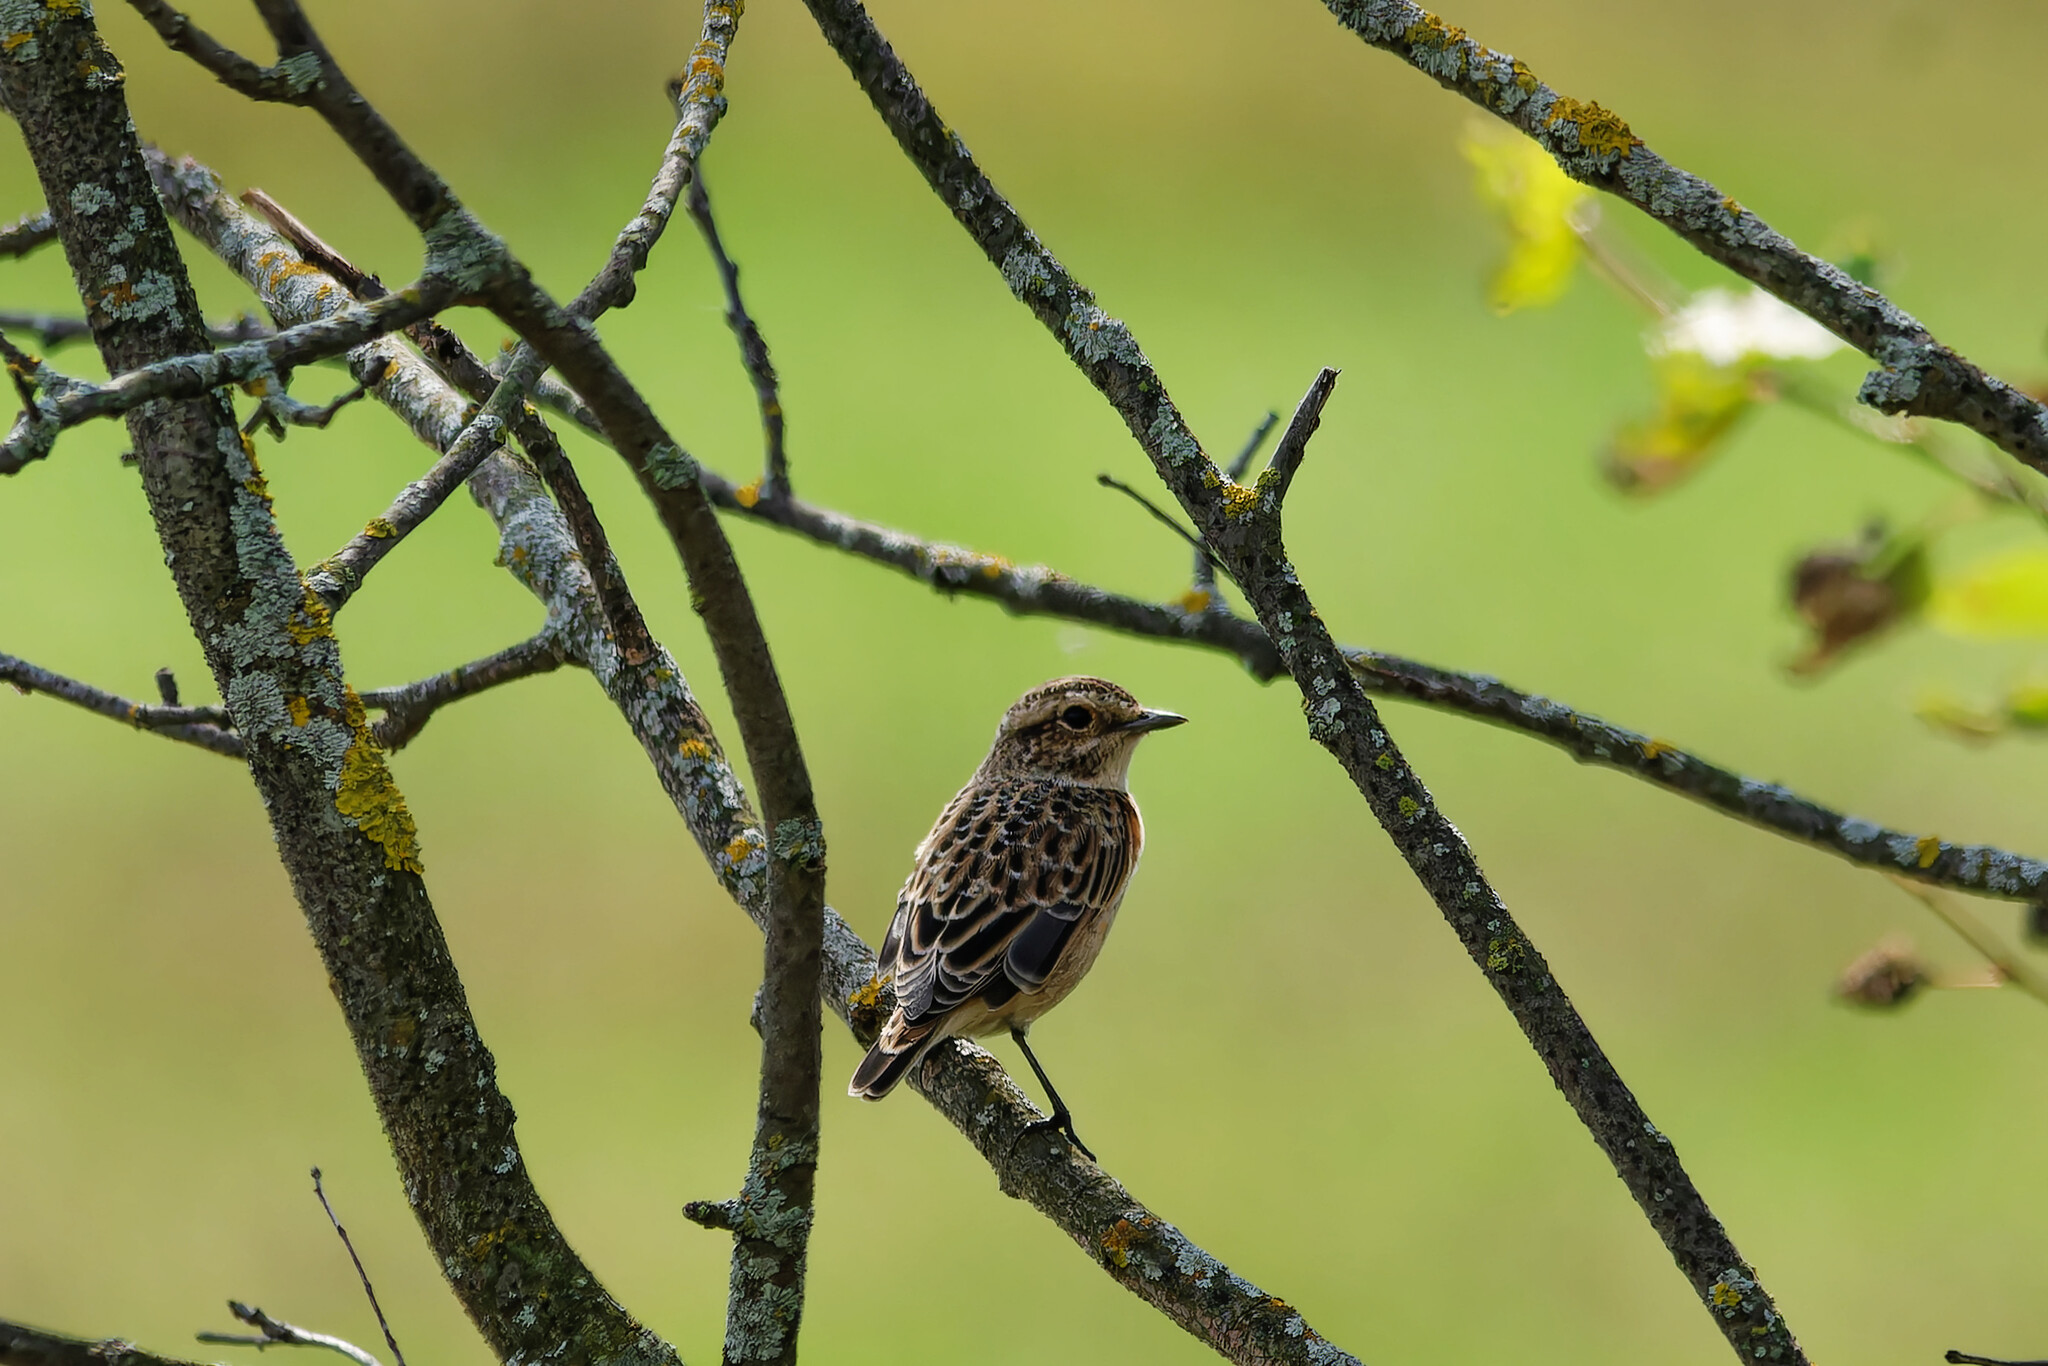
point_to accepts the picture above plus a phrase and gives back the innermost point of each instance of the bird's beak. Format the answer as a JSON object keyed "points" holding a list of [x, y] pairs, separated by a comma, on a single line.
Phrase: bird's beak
{"points": [[1152, 720]]}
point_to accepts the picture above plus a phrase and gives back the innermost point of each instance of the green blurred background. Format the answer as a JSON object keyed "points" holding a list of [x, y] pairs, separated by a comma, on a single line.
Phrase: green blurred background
{"points": [[1284, 1051]]}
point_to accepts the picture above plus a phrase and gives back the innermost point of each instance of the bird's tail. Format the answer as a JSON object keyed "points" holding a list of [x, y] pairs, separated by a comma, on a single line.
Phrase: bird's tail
{"points": [[899, 1049]]}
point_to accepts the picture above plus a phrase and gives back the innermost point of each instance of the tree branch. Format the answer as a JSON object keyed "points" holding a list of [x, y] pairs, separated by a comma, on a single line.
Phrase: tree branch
{"points": [[21, 1345], [774, 482], [343, 832], [207, 727], [31, 231], [272, 1332], [1036, 590], [51, 329], [407, 709], [1918, 374], [1242, 526]]}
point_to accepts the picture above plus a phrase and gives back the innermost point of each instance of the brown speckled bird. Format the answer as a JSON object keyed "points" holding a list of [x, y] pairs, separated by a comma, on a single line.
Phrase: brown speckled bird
{"points": [[1017, 884]]}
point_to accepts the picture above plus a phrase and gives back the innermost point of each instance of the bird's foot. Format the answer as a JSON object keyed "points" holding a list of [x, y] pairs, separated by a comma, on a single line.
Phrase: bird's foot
{"points": [[1060, 1121]]}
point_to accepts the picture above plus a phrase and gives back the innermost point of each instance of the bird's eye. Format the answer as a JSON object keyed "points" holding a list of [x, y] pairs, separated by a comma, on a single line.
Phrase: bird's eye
{"points": [[1078, 718]]}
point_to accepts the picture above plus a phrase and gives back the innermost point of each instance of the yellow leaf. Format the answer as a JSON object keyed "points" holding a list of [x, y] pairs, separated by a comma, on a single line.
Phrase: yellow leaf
{"points": [[2003, 595], [1517, 178], [1697, 403]]}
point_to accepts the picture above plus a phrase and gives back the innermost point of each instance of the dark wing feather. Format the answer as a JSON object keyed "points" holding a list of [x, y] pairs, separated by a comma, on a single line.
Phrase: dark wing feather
{"points": [[1005, 878]]}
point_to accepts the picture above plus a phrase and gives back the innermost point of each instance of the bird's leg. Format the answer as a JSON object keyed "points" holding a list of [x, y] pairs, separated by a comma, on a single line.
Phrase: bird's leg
{"points": [[1061, 1118]]}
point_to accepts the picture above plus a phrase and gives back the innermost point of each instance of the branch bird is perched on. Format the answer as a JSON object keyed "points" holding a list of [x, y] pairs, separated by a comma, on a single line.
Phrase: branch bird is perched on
{"points": [[1017, 884]]}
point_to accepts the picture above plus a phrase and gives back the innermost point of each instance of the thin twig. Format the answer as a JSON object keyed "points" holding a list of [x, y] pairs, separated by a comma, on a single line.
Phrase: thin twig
{"points": [[1308, 416], [1974, 932], [1161, 516], [52, 329], [207, 727], [1953, 1355], [277, 1333], [407, 709], [361, 1274], [753, 347]]}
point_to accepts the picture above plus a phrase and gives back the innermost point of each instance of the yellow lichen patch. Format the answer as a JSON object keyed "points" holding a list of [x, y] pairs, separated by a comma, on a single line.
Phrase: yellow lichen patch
{"points": [[747, 495], [1238, 500], [301, 710], [1929, 849], [1121, 1238], [1505, 954], [1430, 31], [1525, 79], [402, 1031], [380, 528], [1409, 806], [258, 387], [739, 847], [866, 996], [1195, 600], [367, 796], [1600, 130], [1724, 1295], [1385, 763], [282, 273], [1657, 749], [311, 622], [694, 749], [1730, 207]]}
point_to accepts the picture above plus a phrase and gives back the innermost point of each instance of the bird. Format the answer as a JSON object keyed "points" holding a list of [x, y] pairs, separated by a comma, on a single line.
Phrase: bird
{"points": [[1017, 884]]}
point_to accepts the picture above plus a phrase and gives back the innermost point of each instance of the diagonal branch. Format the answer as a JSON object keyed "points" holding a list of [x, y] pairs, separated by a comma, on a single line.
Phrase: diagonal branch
{"points": [[22, 237], [1918, 374], [21, 1345], [1036, 590], [206, 727], [1242, 526]]}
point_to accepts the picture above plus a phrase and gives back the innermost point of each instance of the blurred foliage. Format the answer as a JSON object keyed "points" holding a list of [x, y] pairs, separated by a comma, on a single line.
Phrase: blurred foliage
{"points": [[1282, 1050]]}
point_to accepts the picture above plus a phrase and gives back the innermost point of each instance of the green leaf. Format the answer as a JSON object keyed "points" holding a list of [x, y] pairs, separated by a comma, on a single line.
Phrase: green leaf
{"points": [[2001, 596], [1520, 181]]}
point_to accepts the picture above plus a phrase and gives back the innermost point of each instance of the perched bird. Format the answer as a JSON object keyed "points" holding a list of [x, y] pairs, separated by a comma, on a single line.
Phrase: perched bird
{"points": [[1018, 882]]}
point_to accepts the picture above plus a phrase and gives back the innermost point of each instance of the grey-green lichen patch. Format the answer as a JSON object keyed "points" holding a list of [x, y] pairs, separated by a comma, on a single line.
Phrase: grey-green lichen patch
{"points": [[301, 71], [465, 253], [757, 1324], [22, 23], [1094, 337], [1169, 435], [257, 703], [153, 293], [90, 197], [670, 466], [800, 842], [1027, 272]]}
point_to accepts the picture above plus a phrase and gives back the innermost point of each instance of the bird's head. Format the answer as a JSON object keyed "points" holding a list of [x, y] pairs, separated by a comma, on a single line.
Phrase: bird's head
{"points": [[1078, 730]]}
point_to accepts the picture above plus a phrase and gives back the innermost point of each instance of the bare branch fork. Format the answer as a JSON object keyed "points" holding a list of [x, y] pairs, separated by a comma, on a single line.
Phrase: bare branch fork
{"points": [[1242, 526]]}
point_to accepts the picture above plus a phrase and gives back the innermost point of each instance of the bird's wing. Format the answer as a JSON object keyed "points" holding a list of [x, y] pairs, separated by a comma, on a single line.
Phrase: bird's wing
{"points": [[1007, 875]]}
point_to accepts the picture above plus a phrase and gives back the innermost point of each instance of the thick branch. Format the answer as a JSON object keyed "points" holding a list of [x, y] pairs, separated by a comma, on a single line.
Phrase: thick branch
{"points": [[21, 1345], [342, 828], [1919, 375], [206, 727], [1242, 526]]}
